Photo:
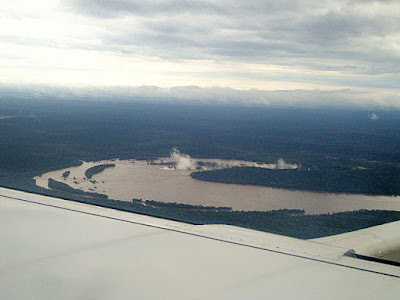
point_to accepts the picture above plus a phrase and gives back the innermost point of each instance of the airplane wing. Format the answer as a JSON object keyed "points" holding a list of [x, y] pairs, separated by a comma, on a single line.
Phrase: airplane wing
{"points": [[58, 249], [378, 243]]}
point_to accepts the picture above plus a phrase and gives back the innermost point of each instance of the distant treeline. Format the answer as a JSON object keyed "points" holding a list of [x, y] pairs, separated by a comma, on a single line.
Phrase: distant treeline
{"points": [[60, 186], [385, 181], [97, 169], [183, 206]]}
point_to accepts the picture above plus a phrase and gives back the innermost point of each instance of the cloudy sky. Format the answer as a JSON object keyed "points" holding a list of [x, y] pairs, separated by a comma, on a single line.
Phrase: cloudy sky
{"points": [[334, 51]]}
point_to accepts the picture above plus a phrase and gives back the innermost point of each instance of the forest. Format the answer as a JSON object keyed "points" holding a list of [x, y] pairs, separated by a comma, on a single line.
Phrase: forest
{"points": [[333, 144], [336, 180]]}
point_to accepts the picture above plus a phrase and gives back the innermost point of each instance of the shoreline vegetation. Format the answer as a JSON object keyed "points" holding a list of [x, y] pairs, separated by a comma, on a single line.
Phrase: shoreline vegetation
{"points": [[175, 205], [329, 180]]}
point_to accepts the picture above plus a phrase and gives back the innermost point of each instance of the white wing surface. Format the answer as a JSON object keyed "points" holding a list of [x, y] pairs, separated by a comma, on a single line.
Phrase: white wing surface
{"points": [[57, 249]]}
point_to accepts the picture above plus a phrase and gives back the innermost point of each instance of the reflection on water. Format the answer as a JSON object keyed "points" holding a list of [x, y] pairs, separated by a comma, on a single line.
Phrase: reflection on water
{"points": [[138, 179]]}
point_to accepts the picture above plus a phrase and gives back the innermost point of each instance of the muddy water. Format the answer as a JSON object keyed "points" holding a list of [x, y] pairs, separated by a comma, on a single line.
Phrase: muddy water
{"points": [[138, 179]]}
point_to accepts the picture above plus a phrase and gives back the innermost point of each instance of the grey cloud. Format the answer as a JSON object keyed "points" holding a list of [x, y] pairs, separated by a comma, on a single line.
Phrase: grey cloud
{"points": [[176, 27], [103, 8], [113, 9], [327, 42], [350, 2], [313, 35], [106, 8], [334, 26]]}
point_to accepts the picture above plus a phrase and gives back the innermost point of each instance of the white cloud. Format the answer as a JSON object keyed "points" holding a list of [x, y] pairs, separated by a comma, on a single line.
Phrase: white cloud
{"points": [[323, 45], [350, 98], [374, 117]]}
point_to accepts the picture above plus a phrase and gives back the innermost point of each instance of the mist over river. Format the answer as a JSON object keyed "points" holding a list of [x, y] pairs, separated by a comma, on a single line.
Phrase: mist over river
{"points": [[142, 180]]}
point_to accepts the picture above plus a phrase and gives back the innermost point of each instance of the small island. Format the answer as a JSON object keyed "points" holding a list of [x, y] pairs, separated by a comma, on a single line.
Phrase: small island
{"points": [[62, 187], [66, 174], [97, 169]]}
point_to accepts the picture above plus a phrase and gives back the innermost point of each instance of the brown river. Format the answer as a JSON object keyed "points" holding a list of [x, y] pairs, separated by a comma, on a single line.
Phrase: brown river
{"points": [[138, 179]]}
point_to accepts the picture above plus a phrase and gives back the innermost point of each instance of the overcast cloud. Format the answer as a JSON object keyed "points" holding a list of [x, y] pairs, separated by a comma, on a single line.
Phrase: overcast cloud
{"points": [[328, 48]]}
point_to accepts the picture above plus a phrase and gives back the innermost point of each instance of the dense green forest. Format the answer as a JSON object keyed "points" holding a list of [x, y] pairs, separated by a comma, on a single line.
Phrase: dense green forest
{"points": [[49, 135], [337, 180]]}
